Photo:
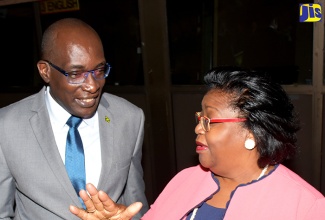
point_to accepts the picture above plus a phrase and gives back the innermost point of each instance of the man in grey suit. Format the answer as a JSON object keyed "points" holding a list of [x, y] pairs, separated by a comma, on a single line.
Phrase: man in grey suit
{"points": [[34, 183]]}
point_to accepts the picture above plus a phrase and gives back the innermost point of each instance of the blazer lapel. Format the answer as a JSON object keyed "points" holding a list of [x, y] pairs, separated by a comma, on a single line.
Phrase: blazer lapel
{"points": [[106, 131], [41, 125]]}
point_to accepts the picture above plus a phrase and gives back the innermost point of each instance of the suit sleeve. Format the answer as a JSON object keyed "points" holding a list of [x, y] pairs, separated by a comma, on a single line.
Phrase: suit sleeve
{"points": [[135, 187], [7, 189]]}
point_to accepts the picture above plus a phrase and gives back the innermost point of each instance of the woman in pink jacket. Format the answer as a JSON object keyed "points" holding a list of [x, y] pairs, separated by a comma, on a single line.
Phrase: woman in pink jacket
{"points": [[246, 129]]}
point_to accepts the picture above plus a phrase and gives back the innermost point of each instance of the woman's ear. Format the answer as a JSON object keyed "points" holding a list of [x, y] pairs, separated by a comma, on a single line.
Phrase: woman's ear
{"points": [[44, 70]]}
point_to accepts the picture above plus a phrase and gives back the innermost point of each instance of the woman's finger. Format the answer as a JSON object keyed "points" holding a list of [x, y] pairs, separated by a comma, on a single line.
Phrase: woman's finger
{"points": [[96, 204], [90, 207], [131, 210], [81, 213]]}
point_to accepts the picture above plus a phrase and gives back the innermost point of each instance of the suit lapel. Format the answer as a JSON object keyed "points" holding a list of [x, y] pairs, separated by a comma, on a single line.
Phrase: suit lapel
{"points": [[106, 125], [42, 128]]}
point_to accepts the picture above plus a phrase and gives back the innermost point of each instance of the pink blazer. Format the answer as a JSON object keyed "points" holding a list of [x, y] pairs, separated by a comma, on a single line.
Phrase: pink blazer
{"points": [[280, 195]]}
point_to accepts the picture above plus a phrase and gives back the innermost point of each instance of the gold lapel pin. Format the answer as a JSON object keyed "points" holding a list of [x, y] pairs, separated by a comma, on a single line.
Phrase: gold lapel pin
{"points": [[107, 119]]}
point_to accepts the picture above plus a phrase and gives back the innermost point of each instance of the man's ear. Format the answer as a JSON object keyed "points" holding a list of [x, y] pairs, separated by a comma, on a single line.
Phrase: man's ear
{"points": [[44, 70]]}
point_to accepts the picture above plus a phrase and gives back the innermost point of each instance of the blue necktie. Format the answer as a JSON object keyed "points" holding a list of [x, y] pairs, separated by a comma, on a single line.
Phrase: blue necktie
{"points": [[74, 156]]}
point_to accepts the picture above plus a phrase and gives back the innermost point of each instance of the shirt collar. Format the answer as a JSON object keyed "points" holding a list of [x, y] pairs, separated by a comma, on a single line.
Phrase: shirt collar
{"points": [[59, 115]]}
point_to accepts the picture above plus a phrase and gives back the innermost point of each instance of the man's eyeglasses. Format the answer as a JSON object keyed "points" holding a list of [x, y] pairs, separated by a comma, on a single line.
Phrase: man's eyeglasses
{"points": [[205, 121], [79, 76]]}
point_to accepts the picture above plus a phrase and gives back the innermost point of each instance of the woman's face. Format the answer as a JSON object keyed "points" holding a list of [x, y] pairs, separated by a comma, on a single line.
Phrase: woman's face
{"points": [[222, 148]]}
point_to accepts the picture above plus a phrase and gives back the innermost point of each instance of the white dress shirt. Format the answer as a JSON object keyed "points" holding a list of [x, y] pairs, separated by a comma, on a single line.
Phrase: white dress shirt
{"points": [[89, 132]]}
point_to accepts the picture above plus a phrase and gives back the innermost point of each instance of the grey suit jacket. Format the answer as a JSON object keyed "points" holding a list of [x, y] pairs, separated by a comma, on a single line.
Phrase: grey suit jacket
{"points": [[34, 184]]}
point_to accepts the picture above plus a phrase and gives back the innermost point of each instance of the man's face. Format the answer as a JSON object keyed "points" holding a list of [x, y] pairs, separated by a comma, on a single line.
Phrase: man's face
{"points": [[77, 52]]}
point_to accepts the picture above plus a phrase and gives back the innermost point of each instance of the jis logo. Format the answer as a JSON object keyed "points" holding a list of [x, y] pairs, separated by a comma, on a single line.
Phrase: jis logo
{"points": [[310, 12]]}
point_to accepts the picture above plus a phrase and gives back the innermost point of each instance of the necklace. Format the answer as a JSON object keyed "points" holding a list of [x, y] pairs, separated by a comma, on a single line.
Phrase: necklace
{"points": [[262, 174]]}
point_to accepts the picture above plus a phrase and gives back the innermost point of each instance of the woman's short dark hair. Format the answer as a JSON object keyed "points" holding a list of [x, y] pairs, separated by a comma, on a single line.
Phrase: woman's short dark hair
{"points": [[270, 114]]}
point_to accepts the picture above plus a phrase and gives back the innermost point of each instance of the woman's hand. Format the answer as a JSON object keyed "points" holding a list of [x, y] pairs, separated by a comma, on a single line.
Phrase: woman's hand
{"points": [[100, 206]]}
